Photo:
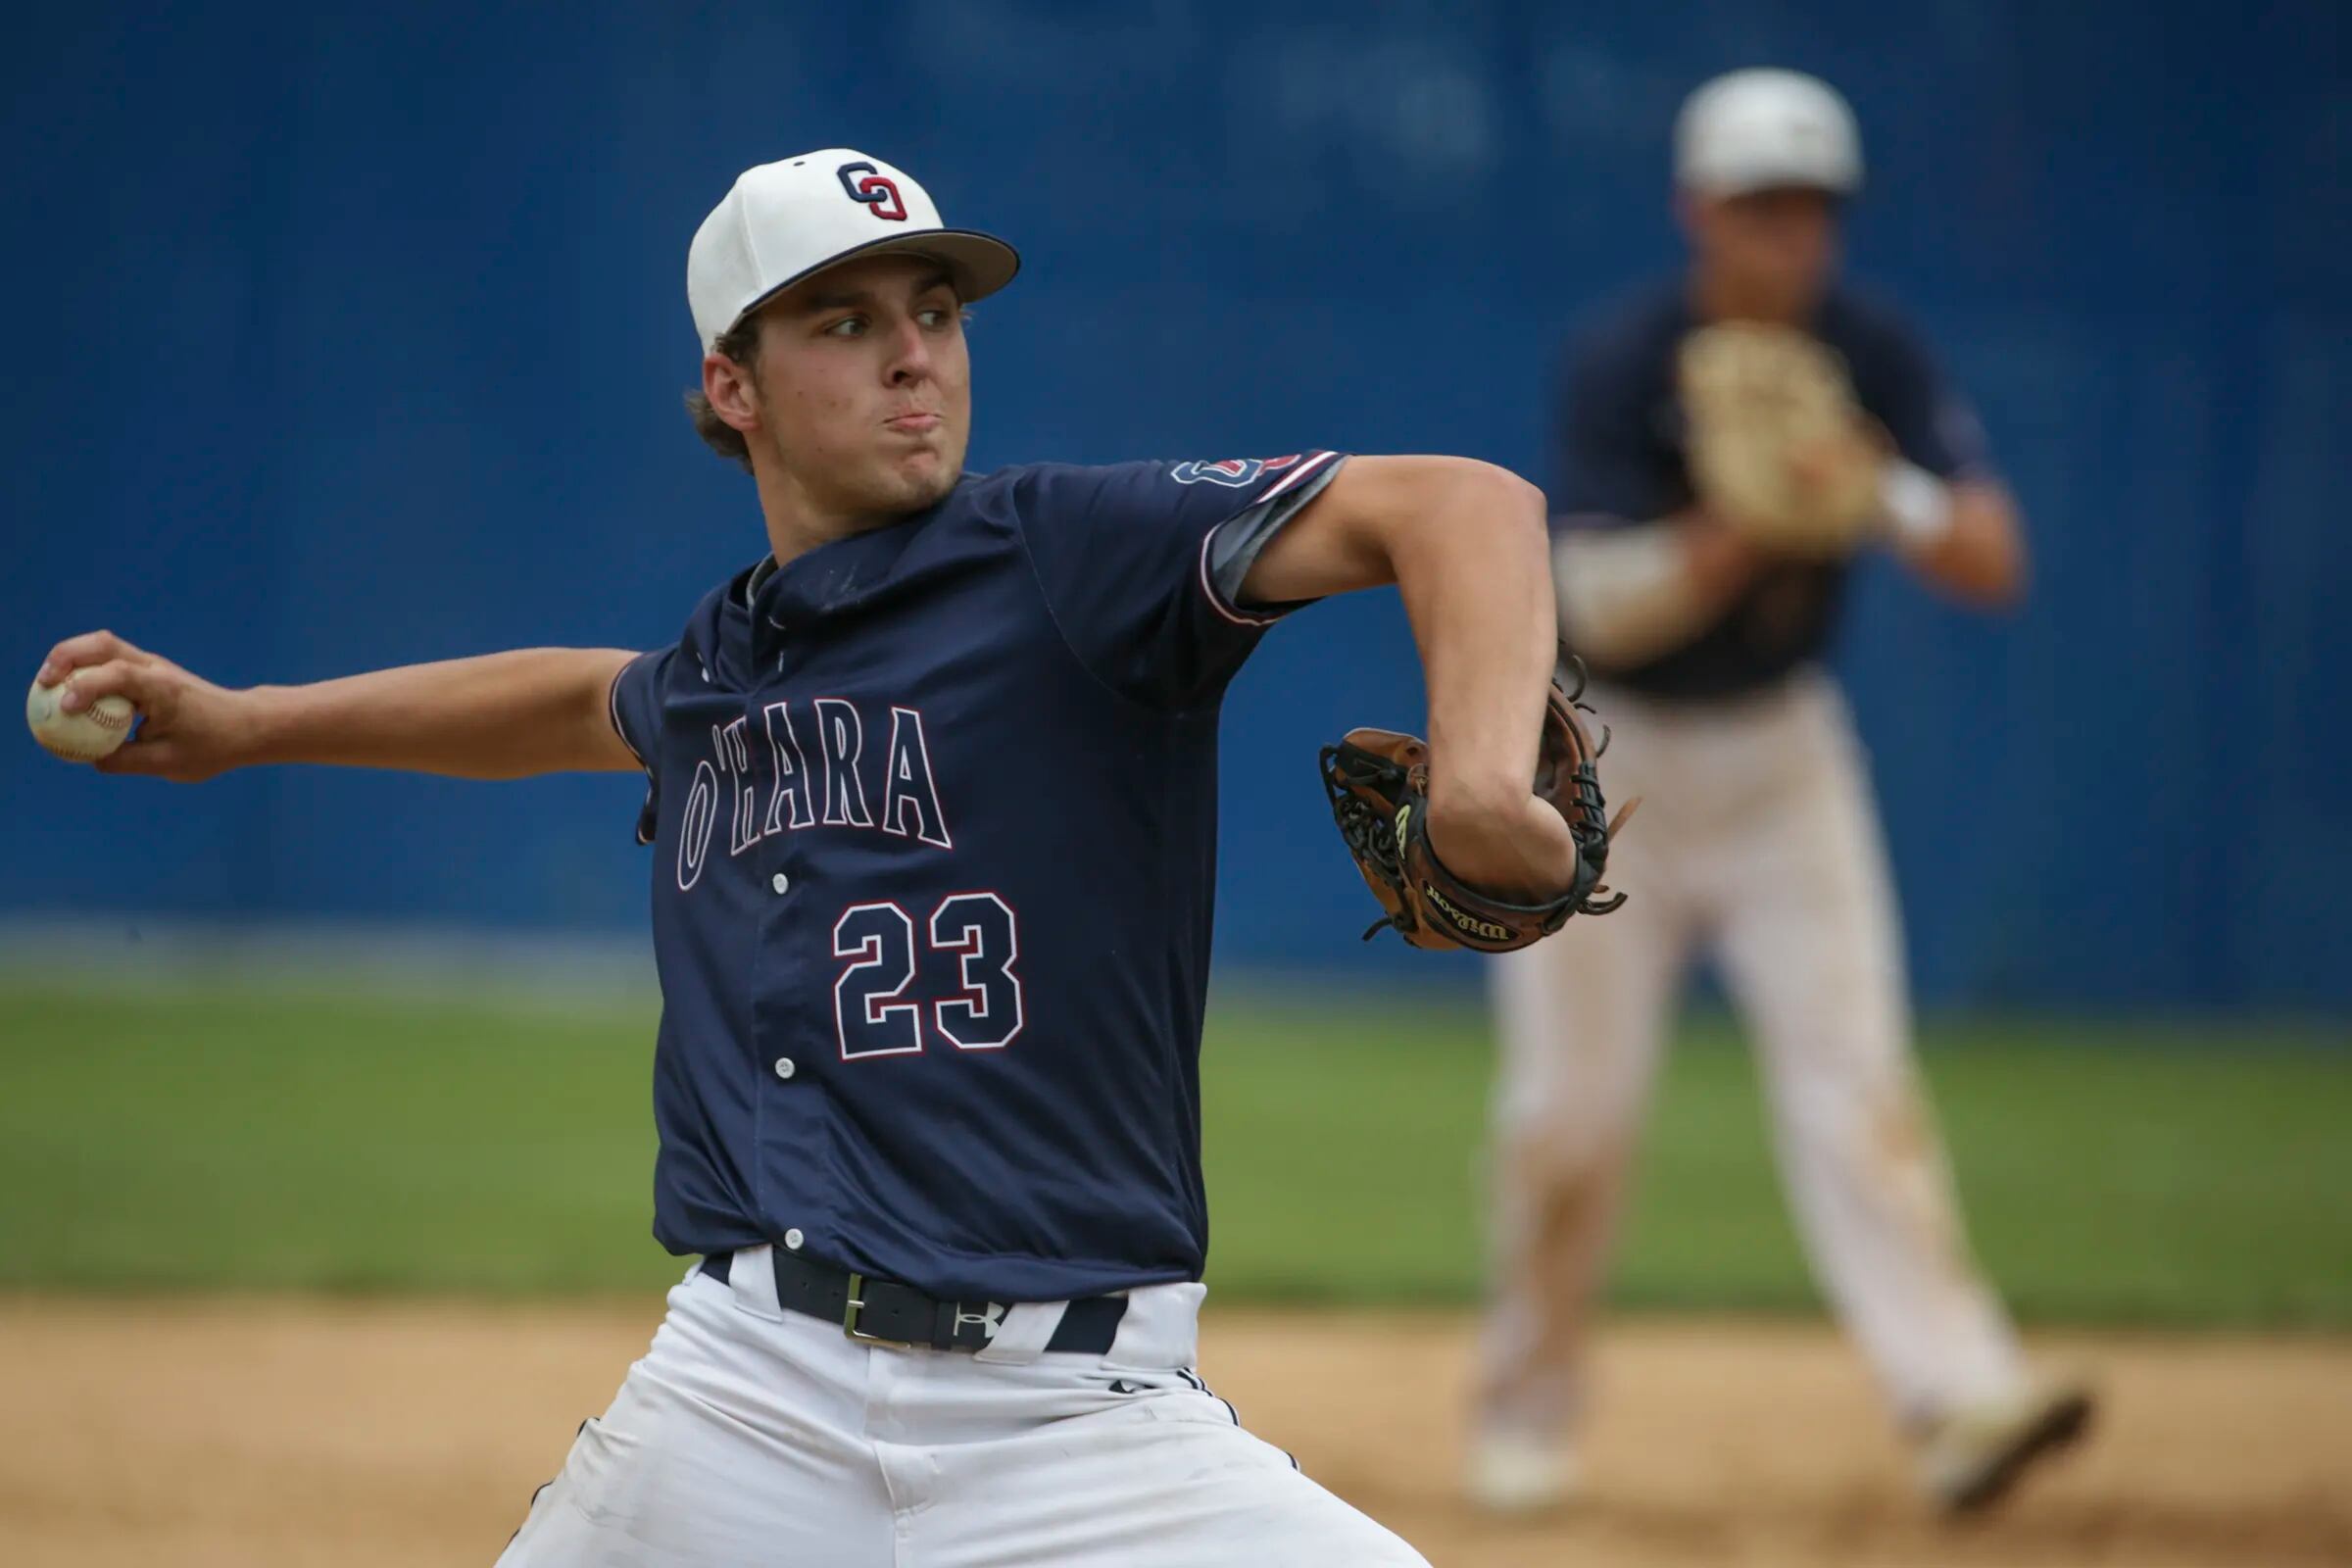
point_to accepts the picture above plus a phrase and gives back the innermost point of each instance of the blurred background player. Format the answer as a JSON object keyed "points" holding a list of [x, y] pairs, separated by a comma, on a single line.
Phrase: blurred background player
{"points": [[1758, 842]]}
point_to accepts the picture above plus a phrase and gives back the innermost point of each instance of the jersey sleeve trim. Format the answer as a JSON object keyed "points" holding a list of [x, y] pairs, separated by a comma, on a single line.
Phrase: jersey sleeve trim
{"points": [[613, 711], [646, 813], [1230, 549]]}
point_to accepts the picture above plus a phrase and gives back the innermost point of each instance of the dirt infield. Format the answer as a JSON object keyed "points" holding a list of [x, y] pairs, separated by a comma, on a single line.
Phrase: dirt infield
{"points": [[295, 1433]]}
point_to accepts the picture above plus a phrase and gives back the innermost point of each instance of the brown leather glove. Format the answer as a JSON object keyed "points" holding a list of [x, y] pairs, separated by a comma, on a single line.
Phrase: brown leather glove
{"points": [[1378, 783]]}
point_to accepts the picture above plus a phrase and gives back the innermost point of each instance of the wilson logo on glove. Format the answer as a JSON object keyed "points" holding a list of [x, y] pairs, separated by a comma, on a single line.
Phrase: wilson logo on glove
{"points": [[1469, 924]]}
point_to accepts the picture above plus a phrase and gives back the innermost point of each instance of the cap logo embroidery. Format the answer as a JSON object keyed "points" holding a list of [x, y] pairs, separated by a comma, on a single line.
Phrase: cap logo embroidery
{"points": [[863, 182]]}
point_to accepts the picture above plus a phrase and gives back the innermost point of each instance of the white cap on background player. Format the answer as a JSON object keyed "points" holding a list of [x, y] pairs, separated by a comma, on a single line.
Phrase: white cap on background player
{"points": [[1760, 128], [786, 220]]}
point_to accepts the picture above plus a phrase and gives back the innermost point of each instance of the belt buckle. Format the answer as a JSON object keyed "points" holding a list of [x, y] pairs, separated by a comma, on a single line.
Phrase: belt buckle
{"points": [[848, 1320]]}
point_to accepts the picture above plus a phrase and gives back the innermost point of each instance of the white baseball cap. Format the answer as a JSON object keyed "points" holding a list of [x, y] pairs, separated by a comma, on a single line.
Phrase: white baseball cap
{"points": [[1758, 128], [784, 220]]}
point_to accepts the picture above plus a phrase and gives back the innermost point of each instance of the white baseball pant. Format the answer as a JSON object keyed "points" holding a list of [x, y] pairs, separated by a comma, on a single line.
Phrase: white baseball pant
{"points": [[750, 1435], [1757, 839]]}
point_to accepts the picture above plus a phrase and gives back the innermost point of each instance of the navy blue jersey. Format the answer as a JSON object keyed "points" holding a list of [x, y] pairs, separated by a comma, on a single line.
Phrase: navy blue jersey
{"points": [[1621, 459], [933, 816]]}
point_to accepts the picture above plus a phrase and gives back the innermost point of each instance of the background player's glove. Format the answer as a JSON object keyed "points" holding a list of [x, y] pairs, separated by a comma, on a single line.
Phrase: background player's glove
{"points": [[1378, 782], [1778, 446]]}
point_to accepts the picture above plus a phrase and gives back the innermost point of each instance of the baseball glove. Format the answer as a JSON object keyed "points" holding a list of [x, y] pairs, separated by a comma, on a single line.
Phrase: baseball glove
{"points": [[1778, 446], [1378, 782]]}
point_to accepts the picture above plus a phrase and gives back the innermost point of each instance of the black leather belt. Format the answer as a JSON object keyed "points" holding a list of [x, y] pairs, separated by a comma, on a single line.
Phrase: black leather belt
{"points": [[886, 1313]]}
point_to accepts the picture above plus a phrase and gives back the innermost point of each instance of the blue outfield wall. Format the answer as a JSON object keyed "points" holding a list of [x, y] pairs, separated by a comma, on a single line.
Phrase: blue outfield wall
{"points": [[346, 338]]}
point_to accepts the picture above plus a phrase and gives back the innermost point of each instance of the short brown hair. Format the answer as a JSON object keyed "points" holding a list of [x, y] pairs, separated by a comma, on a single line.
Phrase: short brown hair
{"points": [[740, 343]]}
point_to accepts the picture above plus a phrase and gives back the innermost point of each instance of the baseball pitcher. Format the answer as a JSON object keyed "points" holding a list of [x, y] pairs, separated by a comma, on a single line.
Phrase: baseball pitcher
{"points": [[1730, 440], [931, 803]]}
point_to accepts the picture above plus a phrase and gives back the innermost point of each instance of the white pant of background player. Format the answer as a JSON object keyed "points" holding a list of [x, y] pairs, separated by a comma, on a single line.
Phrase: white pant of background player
{"points": [[1756, 840], [749, 1437]]}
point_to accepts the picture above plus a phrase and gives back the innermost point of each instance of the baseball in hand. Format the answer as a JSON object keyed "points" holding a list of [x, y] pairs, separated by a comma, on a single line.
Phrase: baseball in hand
{"points": [[83, 737]]}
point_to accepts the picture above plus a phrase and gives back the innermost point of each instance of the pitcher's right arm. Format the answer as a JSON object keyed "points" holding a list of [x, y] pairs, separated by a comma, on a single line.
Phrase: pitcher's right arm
{"points": [[499, 715]]}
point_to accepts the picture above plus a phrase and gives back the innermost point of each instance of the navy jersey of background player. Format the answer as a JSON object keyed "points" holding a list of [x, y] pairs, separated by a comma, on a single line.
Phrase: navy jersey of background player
{"points": [[933, 813], [1621, 459]]}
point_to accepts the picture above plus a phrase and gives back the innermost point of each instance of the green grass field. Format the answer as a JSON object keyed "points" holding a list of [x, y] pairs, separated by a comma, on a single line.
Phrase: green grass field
{"points": [[233, 1137]]}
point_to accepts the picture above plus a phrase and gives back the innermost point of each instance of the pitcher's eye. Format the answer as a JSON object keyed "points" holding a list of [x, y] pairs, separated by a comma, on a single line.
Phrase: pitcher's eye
{"points": [[846, 327]]}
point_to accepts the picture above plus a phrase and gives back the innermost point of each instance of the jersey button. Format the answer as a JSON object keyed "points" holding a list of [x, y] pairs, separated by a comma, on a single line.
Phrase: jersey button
{"points": [[784, 1067], [793, 1239], [780, 882]]}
